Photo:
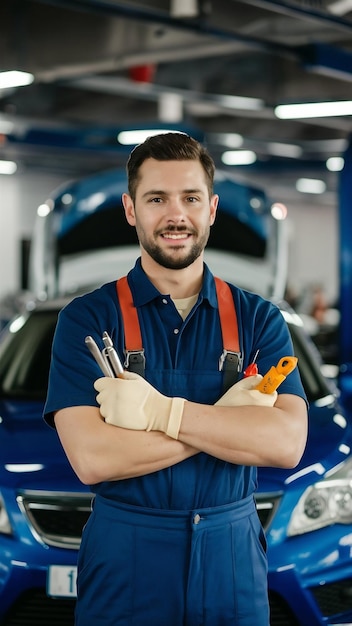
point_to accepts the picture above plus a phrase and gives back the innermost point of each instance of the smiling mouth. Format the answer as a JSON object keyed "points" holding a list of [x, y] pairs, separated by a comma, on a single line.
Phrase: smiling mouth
{"points": [[175, 236]]}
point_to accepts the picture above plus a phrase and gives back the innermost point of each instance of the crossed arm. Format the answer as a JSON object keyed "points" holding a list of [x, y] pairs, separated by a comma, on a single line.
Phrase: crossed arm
{"points": [[248, 435], [99, 451]]}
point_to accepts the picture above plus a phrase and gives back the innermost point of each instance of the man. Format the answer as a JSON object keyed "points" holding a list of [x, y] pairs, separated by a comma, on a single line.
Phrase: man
{"points": [[174, 538]]}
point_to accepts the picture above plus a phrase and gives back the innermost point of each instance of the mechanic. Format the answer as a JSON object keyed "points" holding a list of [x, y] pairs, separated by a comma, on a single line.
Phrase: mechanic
{"points": [[171, 454]]}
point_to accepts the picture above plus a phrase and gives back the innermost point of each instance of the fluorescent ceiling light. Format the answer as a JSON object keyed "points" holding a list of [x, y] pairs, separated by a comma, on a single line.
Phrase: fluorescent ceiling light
{"points": [[313, 109], [170, 108], [335, 164], [340, 7], [15, 78], [6, 127], [284, 150], [240, 102], [231, 140], [133, 137], [238, 157], [184, 8], [310, 185], [8, 167]]}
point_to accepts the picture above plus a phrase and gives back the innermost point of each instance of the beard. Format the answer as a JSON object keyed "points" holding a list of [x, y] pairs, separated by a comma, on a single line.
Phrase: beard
{"points": [[168, 259]]}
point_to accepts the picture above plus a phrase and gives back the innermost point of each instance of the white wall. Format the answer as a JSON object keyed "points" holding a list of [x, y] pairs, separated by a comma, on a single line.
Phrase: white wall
{"points": [[20, 196], [9, 227], [314, 248], [313, 254]]}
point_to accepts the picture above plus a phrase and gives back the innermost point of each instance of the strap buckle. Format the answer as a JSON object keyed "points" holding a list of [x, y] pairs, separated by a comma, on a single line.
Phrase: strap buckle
{"points": [[231, 364], [233, 360], [135, 361]]}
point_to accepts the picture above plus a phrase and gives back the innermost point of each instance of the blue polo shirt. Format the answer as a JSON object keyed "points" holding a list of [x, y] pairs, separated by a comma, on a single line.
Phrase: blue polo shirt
{"points": [[182, 359]]}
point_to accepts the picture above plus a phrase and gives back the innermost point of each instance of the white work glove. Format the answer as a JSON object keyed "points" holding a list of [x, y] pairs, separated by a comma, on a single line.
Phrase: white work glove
{"points": [[131, 402], [244, 393]]}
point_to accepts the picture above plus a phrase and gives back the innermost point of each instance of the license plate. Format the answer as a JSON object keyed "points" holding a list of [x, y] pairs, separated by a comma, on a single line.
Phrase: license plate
{"points": [[61, 581]]}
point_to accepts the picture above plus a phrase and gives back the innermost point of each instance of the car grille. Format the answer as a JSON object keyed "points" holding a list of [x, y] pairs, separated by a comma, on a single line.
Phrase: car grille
{"points": [[56, 518], [34, 608], [335, 598]]}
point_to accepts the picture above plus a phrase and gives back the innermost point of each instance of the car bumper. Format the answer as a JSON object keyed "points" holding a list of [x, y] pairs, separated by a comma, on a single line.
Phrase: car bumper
{"points": [[23, 585], [310, 578]]}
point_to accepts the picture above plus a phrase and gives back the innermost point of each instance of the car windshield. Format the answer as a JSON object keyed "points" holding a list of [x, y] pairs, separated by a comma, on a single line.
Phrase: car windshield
{"points": [[25, 359], [315, 384]]}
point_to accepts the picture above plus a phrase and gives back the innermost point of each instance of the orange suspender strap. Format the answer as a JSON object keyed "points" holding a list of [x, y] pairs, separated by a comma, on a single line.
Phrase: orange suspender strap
{"points": [[135, 359], [230, 358], [228, 316]]}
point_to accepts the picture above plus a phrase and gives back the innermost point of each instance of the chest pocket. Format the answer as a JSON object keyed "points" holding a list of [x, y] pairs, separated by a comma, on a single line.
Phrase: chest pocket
{"points": [[230, 361]]}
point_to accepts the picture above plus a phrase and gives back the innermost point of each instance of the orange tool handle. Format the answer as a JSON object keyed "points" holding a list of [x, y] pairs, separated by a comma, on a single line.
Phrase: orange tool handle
{"points": [[277, 374]]}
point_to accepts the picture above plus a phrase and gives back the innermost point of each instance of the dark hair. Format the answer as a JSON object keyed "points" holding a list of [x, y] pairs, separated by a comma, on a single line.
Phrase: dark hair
{"points": [[168, 147]]}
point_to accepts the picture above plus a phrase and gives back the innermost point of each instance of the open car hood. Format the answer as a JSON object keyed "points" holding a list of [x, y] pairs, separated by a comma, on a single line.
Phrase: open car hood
{"points": [[81, 237]]}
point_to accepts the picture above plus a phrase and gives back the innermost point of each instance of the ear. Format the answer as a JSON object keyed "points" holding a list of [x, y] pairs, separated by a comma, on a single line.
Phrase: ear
{"points": [[214, 201], [129, 209]]}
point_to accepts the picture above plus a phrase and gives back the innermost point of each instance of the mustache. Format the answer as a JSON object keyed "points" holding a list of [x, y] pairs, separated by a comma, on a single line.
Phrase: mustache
{"points": [[176, 229]]}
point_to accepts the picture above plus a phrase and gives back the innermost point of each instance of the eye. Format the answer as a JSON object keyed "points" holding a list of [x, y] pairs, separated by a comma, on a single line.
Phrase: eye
{"points": [[192, 199]]}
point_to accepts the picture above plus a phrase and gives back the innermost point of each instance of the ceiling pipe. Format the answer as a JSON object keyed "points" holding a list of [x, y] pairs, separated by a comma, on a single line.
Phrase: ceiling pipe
{"points": [[219, 103], [165, 55], [197, 26], [202, 26], [293, 10]]}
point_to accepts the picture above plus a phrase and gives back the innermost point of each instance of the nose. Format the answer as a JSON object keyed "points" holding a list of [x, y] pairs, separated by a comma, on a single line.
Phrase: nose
{"points": [[176, 211]]}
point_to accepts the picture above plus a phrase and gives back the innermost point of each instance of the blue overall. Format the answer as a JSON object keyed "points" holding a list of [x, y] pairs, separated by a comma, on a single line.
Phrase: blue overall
{"points": [[182, 546]]}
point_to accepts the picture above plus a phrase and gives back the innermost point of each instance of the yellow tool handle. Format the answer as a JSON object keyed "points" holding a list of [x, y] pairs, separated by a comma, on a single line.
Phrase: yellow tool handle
{"points": [[277, 374]]}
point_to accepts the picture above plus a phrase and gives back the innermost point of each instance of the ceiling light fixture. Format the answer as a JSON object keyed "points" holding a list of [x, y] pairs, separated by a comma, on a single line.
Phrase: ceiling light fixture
{"points": [[8, 167], [230, 140], [310, 185], [184, 8], [134, 137], [6, 128], [15, 78], [313, 109], [238, 157], [170, 108], [240, 102], [335, 164], [290, 151], [340, 7]]}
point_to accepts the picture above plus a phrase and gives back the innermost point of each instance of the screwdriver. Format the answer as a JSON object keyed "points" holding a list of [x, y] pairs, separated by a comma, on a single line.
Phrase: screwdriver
{"points": [[107, 358], [252, 368], [277, 374]]}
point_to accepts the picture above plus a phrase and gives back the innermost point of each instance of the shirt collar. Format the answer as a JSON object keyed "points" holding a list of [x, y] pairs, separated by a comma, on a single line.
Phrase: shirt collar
{"points": [[143, 290]]}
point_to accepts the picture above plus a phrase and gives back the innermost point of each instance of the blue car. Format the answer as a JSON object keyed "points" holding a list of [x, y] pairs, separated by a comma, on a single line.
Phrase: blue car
{"points": [[80, 240], [306, 512]]}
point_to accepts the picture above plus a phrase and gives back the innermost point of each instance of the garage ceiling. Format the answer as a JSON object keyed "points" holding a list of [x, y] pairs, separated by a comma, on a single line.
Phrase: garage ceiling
{"points": [[103, 65]]}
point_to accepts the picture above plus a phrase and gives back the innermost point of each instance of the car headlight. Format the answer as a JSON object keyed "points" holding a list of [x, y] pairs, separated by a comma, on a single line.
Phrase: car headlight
{"points": [[327, 502], [5, 526]]}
